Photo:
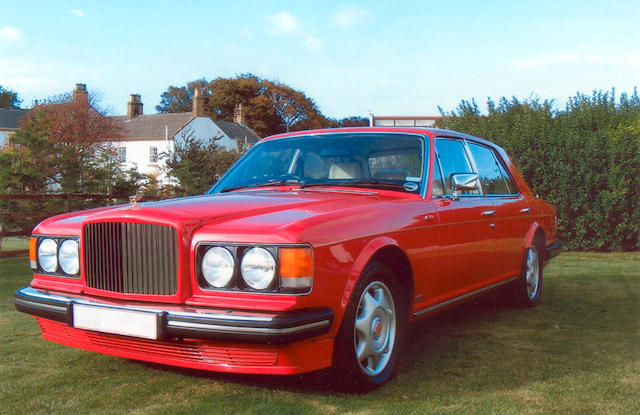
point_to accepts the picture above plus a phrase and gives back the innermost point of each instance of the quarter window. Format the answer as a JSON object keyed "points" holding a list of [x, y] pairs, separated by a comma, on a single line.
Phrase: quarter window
{"points": [[453, 159], [510, 185], [438, 186], [493, 183]]}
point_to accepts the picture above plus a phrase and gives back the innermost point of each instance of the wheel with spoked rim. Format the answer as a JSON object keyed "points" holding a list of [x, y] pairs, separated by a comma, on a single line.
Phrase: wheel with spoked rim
{"points": [[367, 345], [375, 326], [530, 284]]}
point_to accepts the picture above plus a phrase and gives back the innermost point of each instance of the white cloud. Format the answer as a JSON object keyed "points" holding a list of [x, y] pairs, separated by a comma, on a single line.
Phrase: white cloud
{"points": [[10, 34], [349, 17], [631, 60], [286, 24], [77, 12], [313, 43]]}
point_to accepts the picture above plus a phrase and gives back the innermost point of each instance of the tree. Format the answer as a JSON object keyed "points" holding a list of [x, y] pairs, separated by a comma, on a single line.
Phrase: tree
{"points": [[180, 99], [290, 105], [584, 159], [9, 99], [354, 121], [198, 164], [271, 107]]}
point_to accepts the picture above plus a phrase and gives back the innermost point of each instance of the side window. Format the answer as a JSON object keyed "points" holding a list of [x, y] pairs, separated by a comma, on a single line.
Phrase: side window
{"points": [[510, 184], [438, 185], [493, 183], [453, 159]]}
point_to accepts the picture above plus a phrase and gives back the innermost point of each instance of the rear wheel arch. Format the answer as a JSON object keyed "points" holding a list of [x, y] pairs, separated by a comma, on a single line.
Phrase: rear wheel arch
{"points": [[535, 236]]}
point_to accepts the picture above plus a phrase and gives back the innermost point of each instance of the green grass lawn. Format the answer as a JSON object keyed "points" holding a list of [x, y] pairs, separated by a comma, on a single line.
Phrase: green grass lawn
{"points": [[576, 353], [15, 243]]}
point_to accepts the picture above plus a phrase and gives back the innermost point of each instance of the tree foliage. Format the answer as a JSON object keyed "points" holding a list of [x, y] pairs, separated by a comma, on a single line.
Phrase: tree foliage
{"points": [[584, 159], [179, 99], [9, 99], [60, 149], [197, 164], [270, 107]]}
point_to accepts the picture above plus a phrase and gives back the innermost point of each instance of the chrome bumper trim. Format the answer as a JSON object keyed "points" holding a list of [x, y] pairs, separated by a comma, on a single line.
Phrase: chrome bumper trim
{"points": [[204, 323]]}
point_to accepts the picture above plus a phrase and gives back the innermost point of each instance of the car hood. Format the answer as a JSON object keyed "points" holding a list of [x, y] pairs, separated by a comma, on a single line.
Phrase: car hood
{"points": [[266, 214]]}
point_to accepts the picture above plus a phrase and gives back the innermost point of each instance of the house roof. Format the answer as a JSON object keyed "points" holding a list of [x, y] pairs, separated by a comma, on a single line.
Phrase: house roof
{"points": [[161, 126], [10, 118], [238, 132], [154, 126]]}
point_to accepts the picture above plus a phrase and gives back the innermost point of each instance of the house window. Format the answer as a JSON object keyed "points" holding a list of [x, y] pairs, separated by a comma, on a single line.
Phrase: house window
{"points": [[153, 154], [121, 154]]}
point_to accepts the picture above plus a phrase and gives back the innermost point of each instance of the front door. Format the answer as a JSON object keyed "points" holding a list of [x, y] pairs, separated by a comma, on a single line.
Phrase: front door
{"points": [[467, 229]]}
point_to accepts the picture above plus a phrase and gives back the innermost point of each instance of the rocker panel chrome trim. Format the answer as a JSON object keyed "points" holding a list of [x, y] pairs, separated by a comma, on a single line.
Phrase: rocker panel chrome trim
{"points": [[464, 296]]}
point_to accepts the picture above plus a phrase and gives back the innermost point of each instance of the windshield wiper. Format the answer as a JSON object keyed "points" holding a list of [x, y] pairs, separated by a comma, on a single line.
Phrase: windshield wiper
{"points": [[272, 182], [373, 184]]}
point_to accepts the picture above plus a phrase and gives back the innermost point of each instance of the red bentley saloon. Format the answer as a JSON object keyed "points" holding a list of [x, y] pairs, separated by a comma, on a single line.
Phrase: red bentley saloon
{"points": [[316, 249]]}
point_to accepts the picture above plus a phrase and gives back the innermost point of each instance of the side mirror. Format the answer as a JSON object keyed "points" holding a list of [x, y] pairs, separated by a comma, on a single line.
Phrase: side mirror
{"points": [[461, 182]]}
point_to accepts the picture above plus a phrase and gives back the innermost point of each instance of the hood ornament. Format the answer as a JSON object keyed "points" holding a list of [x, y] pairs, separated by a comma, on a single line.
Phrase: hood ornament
{"points": [[134, 199]]}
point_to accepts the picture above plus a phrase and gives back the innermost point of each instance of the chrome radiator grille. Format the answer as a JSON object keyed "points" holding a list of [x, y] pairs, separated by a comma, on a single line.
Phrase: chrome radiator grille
{"points": [[135, 258]]}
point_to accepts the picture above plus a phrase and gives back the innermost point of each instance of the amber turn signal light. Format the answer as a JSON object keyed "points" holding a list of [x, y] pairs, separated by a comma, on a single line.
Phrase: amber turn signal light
{"points": [[296, 268], [33, 242]]}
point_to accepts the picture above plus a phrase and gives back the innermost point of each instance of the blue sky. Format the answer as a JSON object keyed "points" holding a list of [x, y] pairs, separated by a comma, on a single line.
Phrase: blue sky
{"points": [[388, 57]]}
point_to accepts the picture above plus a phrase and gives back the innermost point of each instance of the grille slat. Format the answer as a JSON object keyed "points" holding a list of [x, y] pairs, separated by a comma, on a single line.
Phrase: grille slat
{"points": [[133, 258]]}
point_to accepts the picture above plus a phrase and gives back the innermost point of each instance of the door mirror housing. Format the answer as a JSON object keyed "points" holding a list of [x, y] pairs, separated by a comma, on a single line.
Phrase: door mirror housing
{"points": [[463, 182]]}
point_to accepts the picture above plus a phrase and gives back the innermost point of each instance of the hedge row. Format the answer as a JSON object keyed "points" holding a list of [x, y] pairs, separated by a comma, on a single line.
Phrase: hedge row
{"points": [[584, 159]]}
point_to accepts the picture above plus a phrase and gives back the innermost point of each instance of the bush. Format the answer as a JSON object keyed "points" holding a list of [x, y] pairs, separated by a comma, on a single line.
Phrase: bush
{"points": [[584, 159]]}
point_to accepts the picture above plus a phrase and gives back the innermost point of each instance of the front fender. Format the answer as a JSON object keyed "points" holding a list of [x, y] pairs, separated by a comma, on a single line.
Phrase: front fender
{"points": [[360, 263]]}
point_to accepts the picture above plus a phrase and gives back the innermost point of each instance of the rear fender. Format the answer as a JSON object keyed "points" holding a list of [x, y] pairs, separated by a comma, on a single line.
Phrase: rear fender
{"points": [[528, 239]]}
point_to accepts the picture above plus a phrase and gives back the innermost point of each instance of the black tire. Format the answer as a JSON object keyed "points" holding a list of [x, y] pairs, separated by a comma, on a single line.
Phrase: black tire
{"points": [[529, 285], [380, 306]]}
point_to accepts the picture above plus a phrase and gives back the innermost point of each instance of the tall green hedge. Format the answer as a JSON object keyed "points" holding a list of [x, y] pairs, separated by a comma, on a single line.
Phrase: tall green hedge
{"points": [[584, 159]]}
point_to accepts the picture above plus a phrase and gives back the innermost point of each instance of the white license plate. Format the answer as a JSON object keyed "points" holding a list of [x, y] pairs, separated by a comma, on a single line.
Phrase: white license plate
{"points": [[116, 321]]}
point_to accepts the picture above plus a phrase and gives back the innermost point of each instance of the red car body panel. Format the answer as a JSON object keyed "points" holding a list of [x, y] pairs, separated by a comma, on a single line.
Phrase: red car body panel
{"points": [[452, 248]]}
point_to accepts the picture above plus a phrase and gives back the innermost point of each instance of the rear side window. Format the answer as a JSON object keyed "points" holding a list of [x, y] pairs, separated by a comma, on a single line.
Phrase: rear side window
{"points": [[453, 159], [491, 178], [510, 184]]}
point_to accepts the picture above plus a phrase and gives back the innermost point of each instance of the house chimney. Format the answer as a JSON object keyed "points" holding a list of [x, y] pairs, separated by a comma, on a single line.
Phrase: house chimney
{"points": [[238, 115], [80, 94], [134, 106], [200, 102]]}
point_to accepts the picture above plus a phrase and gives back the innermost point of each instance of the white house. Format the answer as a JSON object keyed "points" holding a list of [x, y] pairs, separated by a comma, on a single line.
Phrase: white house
{"points": [[9, 122], [145, 137]]}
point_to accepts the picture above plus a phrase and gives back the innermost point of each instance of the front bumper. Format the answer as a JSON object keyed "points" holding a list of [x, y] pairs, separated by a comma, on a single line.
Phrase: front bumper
{"points": [[190, 323]]}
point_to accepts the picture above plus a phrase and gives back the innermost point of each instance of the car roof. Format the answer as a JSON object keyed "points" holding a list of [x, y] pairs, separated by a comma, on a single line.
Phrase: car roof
{"points": [[431, 132]]}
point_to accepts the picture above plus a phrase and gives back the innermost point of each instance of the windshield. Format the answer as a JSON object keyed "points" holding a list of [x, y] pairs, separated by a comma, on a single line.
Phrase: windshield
{"points": [[369, 160]]}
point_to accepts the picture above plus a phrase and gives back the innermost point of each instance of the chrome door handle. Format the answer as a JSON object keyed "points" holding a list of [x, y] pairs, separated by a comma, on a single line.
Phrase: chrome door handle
{"points": [[489, 213], [525, 210]]}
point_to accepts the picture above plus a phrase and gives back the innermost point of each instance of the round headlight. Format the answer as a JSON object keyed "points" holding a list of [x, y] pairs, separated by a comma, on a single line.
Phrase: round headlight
{"points": [[258, 268], [217, 266], [68, 257], [47, 255]]}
